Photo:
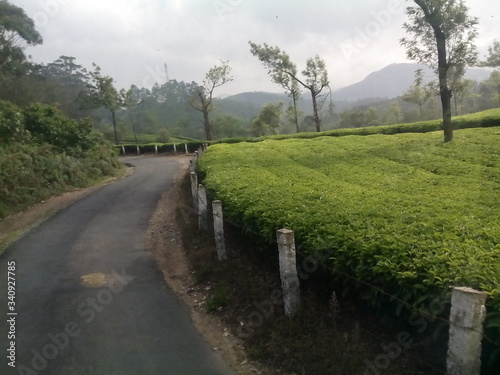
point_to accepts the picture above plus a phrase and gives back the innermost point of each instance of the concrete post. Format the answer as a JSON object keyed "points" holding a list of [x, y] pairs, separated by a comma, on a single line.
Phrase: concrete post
{"points": [[196, 155], [219, 230], [123, 150], [288, 271], [175, 149], [156, 149], [194, 189], [466, 331], [202, 208], [186, 148], [138, 150], [191, 166]]}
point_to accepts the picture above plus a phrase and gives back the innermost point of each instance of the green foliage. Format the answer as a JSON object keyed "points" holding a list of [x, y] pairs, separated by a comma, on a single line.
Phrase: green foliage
{"points": [[218, 299], [483, 119], [43, 153], [406, 213], [163, 136], [47, 124], [16, 31]]}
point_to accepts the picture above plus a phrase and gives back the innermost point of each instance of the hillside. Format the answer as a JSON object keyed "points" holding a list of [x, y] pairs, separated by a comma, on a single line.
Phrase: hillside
{"points": [[387, 83]]}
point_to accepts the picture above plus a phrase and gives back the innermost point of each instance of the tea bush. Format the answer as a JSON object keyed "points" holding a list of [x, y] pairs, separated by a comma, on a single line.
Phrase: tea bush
{"points": [[407, 212]]}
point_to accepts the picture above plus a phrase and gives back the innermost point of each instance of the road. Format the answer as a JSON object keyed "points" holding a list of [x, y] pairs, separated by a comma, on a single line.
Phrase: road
{"points": [[88, 297]]}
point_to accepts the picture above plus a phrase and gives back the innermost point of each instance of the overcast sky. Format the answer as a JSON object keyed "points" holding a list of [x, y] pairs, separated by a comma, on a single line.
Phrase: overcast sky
{"points": [[132, 39]]}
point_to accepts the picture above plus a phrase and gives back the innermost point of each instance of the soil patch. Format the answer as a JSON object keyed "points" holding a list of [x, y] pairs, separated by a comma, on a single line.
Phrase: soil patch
{"points": [[236, 305]]}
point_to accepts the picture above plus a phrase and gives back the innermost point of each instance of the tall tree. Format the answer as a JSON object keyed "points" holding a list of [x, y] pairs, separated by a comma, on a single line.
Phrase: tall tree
{"points": [[493, 84], [17, 31], [442, 37], [493, 58], [202, 97], [464, 88], [417, 93], [270, 119], [101, 93], [278, 63]]}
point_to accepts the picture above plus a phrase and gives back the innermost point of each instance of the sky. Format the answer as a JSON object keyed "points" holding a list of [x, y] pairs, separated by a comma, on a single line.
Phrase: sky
{"points": [[132, 40]]}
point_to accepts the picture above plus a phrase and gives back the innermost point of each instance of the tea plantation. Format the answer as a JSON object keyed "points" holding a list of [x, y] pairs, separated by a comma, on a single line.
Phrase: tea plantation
{"points": [[405, 212]]}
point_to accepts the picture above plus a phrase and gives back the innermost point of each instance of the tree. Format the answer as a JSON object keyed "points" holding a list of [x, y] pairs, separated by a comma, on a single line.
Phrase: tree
{"points": [[442, 38], [202, 96], [269, 120], [278, 63], [493, 59], [417, 93], [17, 31], [493, 83], [100, 93], [394, 115], [463, 89]]}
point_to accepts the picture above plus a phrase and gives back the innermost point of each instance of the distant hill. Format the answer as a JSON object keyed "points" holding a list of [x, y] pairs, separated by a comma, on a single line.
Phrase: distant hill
{"points": [[393, 80], [387, 83]]}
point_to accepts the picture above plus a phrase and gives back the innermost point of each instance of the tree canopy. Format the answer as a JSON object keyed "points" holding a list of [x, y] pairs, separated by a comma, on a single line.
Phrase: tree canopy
{"points": [[17, 31], [442, 36]]}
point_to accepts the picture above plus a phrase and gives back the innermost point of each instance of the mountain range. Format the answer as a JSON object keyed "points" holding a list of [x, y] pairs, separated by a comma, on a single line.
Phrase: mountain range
{"points": [[387, 83]]}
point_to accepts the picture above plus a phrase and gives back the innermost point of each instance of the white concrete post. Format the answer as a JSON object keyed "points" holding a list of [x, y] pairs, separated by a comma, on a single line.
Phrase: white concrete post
{"points": [[123, 150], [194, 189], [156, 149], [175, 149], [138, 150], [466, 331], [288, 271], [219, 230], [191, 166], [202, 208], [186, 148], [196, 155]]}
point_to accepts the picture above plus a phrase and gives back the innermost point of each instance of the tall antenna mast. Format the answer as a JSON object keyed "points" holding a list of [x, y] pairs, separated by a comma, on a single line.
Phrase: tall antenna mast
{"points": [[166, 73]]}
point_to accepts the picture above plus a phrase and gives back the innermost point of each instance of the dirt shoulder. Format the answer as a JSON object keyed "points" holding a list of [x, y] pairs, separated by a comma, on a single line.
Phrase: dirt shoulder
{"points": [[16, 225], [164, 241]]}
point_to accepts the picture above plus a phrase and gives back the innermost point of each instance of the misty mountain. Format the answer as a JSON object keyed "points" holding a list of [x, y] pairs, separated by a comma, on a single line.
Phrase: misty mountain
{"points": [[393, 80], [386, 83]]}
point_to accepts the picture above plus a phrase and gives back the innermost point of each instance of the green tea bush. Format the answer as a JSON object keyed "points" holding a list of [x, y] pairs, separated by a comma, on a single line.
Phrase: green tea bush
{"points": [[407, 213]]}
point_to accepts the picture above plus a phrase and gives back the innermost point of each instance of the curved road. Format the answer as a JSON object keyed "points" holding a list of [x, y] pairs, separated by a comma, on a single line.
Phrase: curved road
{"points": [[90, 300]]}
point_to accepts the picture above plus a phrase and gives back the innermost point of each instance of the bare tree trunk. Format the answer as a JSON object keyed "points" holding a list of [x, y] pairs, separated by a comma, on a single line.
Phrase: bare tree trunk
{"points": [[114, 126], [444, 90], [296, 116], [316, 118], [206, 121]]}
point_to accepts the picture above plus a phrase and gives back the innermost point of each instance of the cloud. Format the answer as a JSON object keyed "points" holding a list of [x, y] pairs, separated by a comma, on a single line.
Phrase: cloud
{"points": [[130, 39]]}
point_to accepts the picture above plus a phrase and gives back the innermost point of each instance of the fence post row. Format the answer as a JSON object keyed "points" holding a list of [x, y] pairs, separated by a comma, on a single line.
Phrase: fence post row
{"points": [[219, 230], [288, 271], [202, 208], [466, 331]]}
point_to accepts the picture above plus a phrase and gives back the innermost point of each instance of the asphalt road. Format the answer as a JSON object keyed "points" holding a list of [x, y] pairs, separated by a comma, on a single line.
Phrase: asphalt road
{"points": [[88, 297]]}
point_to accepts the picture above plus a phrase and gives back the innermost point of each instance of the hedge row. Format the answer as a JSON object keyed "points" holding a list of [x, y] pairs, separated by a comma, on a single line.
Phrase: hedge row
{"points": [[484, 119], [408, 213]]}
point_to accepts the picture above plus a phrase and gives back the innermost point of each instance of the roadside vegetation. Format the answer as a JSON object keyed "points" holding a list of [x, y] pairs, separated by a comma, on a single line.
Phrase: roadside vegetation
{"points": [[43, 153]]}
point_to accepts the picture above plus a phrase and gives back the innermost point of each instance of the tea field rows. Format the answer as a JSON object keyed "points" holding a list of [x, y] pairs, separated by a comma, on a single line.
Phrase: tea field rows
{"points": [[406, 212]]}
